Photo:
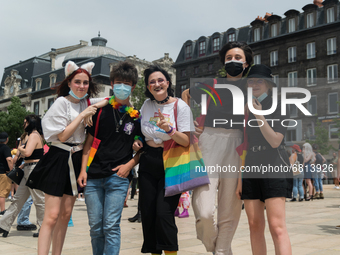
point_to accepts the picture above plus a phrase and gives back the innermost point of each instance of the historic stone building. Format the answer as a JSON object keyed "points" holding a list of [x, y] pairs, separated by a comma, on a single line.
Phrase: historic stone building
{"points": [[34, 80], [301, 48]]}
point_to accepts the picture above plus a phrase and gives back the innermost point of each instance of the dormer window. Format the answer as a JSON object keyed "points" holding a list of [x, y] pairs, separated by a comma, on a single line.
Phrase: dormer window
{"points": [[273, 30], [291, 25], [53, 79], [257, 33], [188, 52], [38, 84], [330, 15], [202, 48], [310, 20], [231, 37], [216, 44]]}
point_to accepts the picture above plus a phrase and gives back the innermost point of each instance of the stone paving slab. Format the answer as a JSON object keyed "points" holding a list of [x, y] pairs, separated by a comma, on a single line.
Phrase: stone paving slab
{"points": [[311, 227]]}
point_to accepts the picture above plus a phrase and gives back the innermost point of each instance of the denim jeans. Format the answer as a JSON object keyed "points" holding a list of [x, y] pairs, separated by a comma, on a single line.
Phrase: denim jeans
{"points": [[104, 199], [24, 214], [318, 185], [297, 186]]}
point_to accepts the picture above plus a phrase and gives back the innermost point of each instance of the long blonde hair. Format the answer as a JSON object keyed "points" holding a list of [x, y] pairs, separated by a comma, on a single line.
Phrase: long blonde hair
{"points": [[307, 151]]}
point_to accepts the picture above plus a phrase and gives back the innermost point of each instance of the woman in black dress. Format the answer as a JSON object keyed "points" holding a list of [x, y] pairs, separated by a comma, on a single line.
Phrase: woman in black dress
{"points": [[266, 149]]}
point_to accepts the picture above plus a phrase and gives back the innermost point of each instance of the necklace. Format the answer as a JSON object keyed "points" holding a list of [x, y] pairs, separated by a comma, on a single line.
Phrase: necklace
{"points": [[72, 99], [163, 101], [124, 108], [118, 121]]}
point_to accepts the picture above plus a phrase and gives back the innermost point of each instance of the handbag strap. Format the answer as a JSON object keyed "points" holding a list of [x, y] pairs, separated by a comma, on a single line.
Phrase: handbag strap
{"points": [[88, 101], [97, 123], [175, 112]]}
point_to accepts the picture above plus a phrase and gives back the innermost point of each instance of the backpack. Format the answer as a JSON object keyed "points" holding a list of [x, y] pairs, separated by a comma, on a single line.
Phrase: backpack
{"points": [[297, 163]]}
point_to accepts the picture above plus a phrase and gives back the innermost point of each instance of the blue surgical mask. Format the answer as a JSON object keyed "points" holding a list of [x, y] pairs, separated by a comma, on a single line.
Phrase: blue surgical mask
{"points": [[261, 98], [74, 95], [122, 91]]}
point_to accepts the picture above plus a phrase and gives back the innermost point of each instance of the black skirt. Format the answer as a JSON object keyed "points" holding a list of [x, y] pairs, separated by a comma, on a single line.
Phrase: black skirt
{"points": [[275, 178], [52, 175]]}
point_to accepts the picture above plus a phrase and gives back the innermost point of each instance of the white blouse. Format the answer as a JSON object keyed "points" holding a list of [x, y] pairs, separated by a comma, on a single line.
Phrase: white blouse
{"points": [[60, 115]]}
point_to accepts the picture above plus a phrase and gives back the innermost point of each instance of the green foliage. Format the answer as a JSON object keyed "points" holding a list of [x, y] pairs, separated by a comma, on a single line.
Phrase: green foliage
{"points": [[12, 121], [222, 73], [321, 139], [138, 97]]}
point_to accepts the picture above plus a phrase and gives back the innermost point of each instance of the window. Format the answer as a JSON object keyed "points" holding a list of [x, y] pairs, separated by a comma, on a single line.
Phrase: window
{"points": [[330, 15], [50, 102], [291, 135], [53, 78], [196, 70], [292, 79], [332, 103], [310, 50], [231, 37], [188, 51], [38, 84], [210, 67], [257, 34], [183, 87], [332, 73], [310, 20], [333, 131], [291, 25], [257, 59], [216, 44], [293, 110], [276, 80], [273, 29], [36, 108], [331, 46], [183, 72], [274, 58], [311, 105], [202, 48], [311, 76], [291, 54]]}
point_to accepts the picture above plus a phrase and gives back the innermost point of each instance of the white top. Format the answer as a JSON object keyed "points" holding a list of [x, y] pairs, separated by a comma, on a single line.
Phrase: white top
{"points": [[60, 115], [150, 116]]}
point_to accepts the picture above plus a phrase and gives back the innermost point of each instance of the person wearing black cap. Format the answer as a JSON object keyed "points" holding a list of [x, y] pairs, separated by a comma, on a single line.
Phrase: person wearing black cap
{"points": [[262, 189], [6, 165]]}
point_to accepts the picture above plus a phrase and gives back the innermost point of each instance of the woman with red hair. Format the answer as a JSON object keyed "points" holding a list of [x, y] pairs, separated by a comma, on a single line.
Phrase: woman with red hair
{"points": [[57, 172]]}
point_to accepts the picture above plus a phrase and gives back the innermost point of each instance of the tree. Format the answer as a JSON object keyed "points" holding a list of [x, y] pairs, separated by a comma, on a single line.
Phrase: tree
{"points": [[321, 139], [138, 97], [12, 121]]}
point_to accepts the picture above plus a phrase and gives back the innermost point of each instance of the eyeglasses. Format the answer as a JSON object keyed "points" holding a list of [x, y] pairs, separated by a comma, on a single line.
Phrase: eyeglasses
{"points": [[253, 82], [159, 81]]}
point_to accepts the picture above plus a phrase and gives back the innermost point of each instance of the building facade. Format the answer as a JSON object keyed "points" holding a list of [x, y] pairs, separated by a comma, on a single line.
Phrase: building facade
{"points": [[35, 80], [301, 48]]}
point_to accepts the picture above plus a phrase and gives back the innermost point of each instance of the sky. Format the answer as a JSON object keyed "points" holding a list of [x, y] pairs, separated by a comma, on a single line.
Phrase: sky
{"points": [[146, 28]]}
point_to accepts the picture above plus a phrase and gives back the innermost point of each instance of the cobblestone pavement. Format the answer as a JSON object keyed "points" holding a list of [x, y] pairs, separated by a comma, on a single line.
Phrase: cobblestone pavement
{"points": [[311, 227]]}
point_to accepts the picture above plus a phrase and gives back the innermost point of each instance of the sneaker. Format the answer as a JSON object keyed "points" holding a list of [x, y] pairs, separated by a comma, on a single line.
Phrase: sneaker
{"points": [[336, 187], [292, 200], [29, 227], [337, 227], [3, 212], [81, 199]]}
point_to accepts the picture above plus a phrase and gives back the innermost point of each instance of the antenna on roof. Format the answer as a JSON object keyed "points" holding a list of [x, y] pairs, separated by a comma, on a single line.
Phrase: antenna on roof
{"points": [[98, 33]]}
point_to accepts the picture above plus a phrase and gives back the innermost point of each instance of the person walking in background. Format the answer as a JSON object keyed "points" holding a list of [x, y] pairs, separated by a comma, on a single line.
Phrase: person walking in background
{"points": [[296, 160], [6, 164], [318, 166], [334, 163], [308, 160], [31, 151]]}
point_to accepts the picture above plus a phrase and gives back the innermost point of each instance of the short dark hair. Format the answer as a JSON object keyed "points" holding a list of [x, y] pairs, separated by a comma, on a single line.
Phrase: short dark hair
{"points": [[125, 71], [34, 123], [148, 72], [64, 89], [243, 46], [315, 146]]}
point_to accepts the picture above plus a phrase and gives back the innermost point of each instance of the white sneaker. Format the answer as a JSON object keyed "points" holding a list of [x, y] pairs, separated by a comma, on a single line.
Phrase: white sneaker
{"points": [[336, 187], [81, 199]]}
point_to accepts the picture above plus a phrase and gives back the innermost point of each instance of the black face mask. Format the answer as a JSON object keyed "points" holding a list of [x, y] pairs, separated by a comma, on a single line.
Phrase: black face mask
{"points": [[234, 68]]}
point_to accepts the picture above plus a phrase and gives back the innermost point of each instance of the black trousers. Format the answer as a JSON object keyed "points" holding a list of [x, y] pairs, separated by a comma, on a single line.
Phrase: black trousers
{"points": [[134, 187], [158, 220]]}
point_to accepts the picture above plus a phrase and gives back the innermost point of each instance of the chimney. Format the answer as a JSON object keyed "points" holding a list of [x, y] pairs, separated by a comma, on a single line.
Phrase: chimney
{"points": [[318, 3], [52, 55]]}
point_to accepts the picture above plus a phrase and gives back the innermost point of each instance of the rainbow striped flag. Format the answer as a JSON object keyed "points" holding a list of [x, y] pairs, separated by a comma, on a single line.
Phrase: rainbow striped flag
{"points": [[93, 152]]}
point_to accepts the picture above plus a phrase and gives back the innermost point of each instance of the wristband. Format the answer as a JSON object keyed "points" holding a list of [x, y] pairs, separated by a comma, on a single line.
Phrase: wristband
{"points": [[137, 137], [170, 131], [173, 132]]}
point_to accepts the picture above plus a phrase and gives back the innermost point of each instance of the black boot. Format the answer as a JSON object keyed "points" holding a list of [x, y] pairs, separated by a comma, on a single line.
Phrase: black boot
{"points": [[4, 232], [137, 217]]}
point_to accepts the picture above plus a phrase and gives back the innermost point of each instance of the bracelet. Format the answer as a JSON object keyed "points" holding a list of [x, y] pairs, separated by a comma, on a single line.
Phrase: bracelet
{"points": [[173, 132], [137, 137], [170, 131]]}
